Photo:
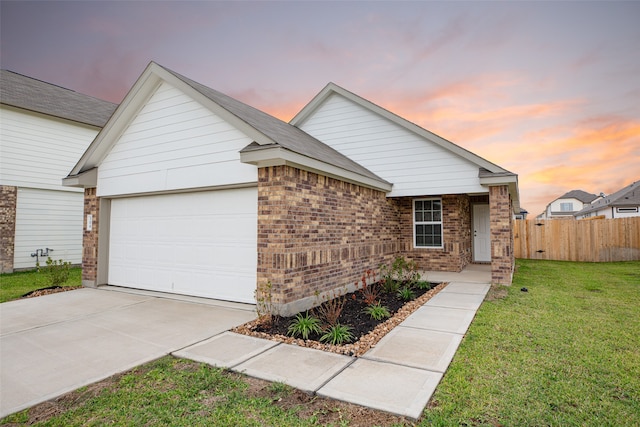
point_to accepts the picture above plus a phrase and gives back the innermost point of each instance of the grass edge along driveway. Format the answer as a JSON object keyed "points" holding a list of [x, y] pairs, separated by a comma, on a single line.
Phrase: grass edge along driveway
{"points": [[565, 353]]}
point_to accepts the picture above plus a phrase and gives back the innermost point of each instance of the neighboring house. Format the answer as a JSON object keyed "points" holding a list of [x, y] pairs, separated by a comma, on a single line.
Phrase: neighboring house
{"points": [[190, 191], [565, 206], [623, 203], [521, 215], [43, 130]]}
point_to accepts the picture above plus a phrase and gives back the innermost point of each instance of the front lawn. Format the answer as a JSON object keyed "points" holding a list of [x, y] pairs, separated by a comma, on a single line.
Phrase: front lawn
{"points": [[565, 353], [15, 285]]}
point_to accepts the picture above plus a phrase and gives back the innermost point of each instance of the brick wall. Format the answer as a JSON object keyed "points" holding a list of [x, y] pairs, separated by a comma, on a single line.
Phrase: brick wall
{"points": [[8, 202], [90, 238], [502, 258], [317, 234], [456, 235]]}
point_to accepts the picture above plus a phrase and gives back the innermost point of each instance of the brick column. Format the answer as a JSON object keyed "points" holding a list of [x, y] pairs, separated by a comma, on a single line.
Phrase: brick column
{"points": [[502, 260], [8, 202], [90, 238]]}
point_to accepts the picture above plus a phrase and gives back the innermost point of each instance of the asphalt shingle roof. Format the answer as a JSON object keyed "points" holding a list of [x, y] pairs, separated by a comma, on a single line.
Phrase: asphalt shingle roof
{"points": [[628, 196], [583, 196], [285, 134], [35, 95]]}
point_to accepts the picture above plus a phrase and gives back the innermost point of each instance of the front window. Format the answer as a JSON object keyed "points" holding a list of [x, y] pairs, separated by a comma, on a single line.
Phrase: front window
{"points": [[427, 223], [566, 207]]}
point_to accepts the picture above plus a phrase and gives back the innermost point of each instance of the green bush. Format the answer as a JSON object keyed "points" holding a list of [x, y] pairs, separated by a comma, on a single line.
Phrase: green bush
{"points": [[56, 272], [400, 272]]}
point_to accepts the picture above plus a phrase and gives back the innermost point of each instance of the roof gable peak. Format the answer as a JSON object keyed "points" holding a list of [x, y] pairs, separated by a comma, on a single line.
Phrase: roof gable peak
{"points": [[332, 88]]}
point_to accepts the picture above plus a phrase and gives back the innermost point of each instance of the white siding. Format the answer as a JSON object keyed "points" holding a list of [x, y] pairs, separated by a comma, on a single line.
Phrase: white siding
{"points": [[414, 165], [202, 244], [48, 219], [37, 151], [174, 143]]}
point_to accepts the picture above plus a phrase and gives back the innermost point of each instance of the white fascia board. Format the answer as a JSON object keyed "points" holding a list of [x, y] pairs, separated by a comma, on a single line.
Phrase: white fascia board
{"points": [[279, 156], [135, 99], [86, 179]]}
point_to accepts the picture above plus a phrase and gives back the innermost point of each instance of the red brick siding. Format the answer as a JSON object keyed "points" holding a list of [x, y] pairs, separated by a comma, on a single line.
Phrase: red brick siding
{"points": [[8, 203], [316, 234], [90, 238], [502, 259], [456, 235]]}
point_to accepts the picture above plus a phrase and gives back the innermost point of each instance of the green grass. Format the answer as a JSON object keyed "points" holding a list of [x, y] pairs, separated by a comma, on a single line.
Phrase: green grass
{"points": [[177, 392], [566, 353], [15, 285]]}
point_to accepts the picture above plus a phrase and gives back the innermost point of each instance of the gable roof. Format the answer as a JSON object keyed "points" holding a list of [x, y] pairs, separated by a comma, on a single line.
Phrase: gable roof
{"points": [[627, 196], [278, 132], [35, 95], [269, 133], [488, 173], [331, 88], [583, 196]]}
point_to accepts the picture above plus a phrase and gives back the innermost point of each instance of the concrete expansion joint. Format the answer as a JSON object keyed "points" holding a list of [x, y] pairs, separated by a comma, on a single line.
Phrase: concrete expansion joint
{"points": [[351, 362], [404, 365]]}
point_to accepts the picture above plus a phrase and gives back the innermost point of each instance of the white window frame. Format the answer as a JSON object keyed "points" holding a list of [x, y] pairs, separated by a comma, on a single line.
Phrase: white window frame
{"points": [[627, 210], [416, 223], [566, 204]]}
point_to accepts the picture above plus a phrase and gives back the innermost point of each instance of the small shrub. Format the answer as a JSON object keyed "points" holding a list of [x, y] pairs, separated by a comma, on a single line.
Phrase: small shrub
{"points": [[370, 293], [337, 334], [264, 303], [377, 311], [390, 286], [304, 326], [400, 272], [330, 310], [406, 293], [57, 272]]}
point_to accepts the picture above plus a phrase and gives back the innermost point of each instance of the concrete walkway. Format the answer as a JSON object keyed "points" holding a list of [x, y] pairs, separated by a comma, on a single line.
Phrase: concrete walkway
{"points": [[57, 343], [398, 375]]}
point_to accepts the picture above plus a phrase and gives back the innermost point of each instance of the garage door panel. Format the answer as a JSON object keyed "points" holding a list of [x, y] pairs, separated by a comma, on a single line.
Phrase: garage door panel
{"points": [[201, 244]]}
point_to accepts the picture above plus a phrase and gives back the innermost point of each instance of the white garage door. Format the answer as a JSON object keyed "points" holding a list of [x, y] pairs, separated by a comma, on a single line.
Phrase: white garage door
{"points": [[202, 244]]}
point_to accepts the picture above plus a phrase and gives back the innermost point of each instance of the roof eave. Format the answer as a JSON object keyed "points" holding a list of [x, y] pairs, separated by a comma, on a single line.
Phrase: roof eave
{"points": [[86, 179], [508, 179], [265, 156]]}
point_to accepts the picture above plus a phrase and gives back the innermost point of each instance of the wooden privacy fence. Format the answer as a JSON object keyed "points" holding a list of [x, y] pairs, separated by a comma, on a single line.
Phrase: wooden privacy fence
{"points": [[600, 240]]}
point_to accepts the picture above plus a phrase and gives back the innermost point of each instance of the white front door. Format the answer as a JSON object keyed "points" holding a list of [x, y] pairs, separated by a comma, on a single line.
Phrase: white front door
{"points": [[481, 234]]}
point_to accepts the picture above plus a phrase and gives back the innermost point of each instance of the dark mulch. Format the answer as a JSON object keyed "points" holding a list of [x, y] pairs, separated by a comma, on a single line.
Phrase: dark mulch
{"points": [[352, 314]]}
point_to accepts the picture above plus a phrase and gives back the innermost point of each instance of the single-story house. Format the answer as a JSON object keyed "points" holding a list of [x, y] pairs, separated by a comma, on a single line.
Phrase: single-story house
{"points": [[190, 191], [44, 129], [624, 203]]}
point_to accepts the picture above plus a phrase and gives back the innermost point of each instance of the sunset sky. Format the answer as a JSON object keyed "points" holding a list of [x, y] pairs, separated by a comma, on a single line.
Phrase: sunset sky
{"points": [[548, 90]]}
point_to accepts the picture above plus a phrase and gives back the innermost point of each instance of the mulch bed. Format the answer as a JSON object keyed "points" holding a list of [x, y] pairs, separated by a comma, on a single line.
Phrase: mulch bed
{"points": [[366, 331]]}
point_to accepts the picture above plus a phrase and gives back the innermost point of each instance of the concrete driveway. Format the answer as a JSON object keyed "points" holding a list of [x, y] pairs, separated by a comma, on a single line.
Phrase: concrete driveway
{"points": [[57, 343]]}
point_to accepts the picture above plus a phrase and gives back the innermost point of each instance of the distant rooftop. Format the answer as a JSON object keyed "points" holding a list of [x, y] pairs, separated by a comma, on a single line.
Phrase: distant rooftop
{"points": [[35, 95], [627, 196], [583, 196]]}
